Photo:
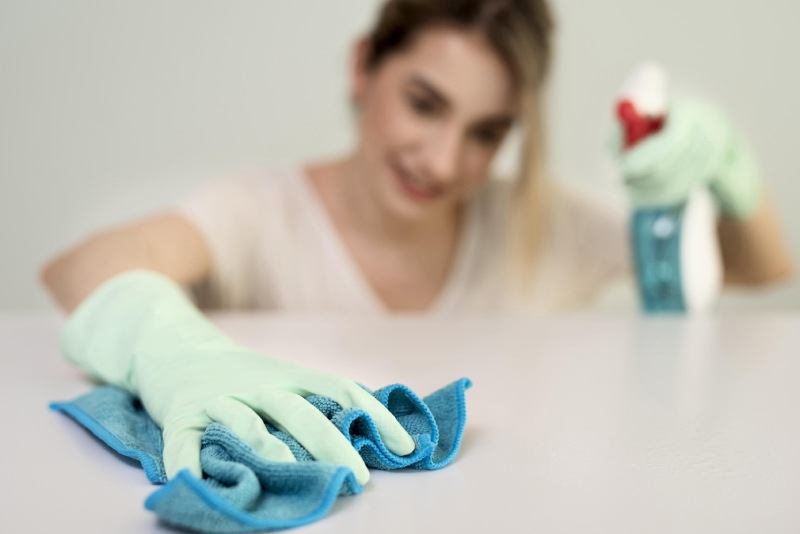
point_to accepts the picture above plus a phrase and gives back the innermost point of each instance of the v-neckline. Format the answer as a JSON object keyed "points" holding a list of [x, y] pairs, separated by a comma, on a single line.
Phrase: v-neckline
{"points": [[455, 278]]}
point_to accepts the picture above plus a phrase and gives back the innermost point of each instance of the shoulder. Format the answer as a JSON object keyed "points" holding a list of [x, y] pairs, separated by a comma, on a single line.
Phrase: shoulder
{"points": [[249, 184], [242, 216], [587, 237], [584, 242], [567, 205], [580, 208], [241, 212], [242, 194]]}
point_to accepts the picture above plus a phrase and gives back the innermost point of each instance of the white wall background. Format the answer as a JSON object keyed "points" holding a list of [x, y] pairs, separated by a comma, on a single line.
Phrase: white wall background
{"points": [[112, 110]]}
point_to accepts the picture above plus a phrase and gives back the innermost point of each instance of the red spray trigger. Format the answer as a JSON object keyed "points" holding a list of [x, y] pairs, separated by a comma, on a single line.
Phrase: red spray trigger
{"points": [[636, 126], [642, 102]]}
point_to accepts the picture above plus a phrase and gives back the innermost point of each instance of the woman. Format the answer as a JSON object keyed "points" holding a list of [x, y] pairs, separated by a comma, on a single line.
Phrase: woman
{"points": [[408, 221]]}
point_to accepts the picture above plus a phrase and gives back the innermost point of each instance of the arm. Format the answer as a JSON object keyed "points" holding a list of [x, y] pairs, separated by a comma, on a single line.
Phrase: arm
{"points": [[753, 249], [699, 145], [167, 243], [131, 326]]}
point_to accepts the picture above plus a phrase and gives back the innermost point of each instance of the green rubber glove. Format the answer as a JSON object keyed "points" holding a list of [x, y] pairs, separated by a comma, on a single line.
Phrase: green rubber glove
{"points": [[140, 332], [697, 146]]}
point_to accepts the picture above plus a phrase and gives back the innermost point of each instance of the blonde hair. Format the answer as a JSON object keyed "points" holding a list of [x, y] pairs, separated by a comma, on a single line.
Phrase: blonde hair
{"points": [[520, 31]]}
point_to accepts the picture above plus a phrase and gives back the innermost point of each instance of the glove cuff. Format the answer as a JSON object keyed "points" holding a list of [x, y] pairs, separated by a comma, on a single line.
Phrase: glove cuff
{"points": [[121, 320]]}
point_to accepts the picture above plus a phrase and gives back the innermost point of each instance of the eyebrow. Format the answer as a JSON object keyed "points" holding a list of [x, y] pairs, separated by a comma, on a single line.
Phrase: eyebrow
{"points": [[429, 87], [498, 121]]}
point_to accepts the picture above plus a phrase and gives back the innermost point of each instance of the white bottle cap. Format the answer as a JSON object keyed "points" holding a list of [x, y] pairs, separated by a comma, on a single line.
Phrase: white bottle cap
{"points": [[646, 88]]}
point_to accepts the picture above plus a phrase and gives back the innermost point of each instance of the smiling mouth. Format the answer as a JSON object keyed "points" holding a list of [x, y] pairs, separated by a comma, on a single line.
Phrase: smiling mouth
{"points": [[414, 188]]}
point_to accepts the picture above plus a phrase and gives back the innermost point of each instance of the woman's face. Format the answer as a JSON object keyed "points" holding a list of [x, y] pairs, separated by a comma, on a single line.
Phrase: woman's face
{"points": [[432, 117]]}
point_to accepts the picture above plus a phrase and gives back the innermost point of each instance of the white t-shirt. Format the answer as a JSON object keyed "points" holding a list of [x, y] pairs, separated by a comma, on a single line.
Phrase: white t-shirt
{"points": [[274, 247]]}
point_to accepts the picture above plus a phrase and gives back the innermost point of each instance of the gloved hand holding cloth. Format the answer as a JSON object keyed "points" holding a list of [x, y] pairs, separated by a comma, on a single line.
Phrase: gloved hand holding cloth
{"points": [[140, 332]]}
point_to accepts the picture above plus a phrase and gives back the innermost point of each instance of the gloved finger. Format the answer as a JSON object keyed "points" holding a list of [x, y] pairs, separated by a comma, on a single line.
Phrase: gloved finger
{"points": [[348, 394], [670, 149], [297, 417], [652, 153], [695, 140], [245, 423], [182, 449]]}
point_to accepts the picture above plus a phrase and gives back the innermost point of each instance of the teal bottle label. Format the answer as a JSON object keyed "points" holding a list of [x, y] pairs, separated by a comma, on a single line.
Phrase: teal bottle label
{"points": [[656, 240]]}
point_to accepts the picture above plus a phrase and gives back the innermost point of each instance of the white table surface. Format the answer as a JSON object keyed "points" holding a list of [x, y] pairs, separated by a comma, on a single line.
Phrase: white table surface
{"points": [[575, 424]]}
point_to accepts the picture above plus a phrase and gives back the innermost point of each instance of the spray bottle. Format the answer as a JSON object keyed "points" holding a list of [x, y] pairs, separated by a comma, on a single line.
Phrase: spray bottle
{"points": [[675, 249]]}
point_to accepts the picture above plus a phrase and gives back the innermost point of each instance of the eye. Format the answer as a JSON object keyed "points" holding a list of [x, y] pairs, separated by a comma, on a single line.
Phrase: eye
{"points": [[489, 137], [422, 106]]}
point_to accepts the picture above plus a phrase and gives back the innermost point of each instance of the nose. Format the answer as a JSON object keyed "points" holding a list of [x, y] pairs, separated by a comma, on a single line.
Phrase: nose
{"points": [[443, 155]]}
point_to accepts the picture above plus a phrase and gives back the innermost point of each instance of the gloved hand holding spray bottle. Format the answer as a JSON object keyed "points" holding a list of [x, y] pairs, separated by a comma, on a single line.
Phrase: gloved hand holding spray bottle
{"points": [[681, 161]]}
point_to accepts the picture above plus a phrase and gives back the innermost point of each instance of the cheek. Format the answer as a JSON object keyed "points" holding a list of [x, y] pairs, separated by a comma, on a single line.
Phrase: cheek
{"points": [[387, 122]]}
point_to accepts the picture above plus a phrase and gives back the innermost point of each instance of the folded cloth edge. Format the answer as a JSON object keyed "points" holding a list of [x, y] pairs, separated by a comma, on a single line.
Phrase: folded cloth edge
{"points": [[151, 469], [342, 476]]}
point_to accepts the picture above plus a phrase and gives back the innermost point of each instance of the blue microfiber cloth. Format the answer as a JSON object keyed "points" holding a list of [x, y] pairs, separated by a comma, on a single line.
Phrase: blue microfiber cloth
{"points": [[244, 492]]}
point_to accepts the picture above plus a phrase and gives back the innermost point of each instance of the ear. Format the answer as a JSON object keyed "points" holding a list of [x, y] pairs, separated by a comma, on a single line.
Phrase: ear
{"points": [[359, 74]]}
